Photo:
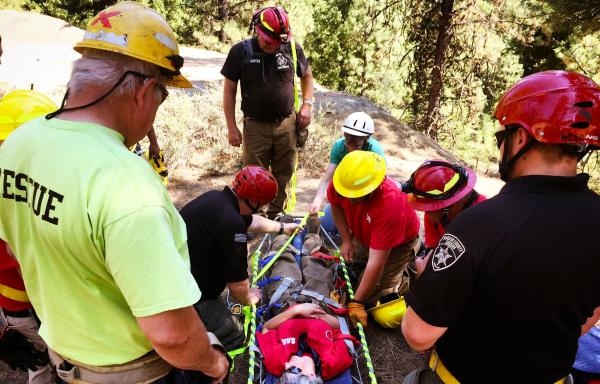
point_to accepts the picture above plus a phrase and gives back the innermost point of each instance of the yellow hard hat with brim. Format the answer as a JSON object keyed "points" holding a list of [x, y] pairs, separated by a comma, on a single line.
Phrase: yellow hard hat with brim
{"points": [[135, 30], [18, 107], [390, 314], [359, 173]]}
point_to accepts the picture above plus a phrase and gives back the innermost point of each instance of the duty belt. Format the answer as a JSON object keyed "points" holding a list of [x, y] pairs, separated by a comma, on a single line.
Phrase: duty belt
{"points": [[146, 369], [436, 365]]}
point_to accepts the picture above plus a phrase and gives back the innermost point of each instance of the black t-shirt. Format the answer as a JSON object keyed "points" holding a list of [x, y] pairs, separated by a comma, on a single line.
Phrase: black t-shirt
{"points": [[216, 241], [267, 81], [513, 279]]}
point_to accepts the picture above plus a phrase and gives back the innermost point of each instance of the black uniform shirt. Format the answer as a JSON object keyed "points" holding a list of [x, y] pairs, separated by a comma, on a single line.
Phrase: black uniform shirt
{"points": [[216, 241], [266, 80], [513, 279]]}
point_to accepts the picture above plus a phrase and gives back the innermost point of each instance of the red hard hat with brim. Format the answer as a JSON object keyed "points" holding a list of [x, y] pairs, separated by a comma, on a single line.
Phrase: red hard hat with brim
{"points": [[439, 179]]}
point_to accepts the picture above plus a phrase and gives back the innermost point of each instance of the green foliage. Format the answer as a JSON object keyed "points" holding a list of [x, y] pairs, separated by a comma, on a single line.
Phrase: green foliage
{"points": [[16, 5], [385, 50], [75, 12]]}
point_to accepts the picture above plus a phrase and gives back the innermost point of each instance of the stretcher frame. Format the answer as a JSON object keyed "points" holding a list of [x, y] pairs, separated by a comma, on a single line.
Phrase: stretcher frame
{"points": [[361, 355]]}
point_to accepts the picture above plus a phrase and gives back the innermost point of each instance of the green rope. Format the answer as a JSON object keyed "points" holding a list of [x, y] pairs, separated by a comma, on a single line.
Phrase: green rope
{"points": [[252, 314], [280, 251], [359, 327]]}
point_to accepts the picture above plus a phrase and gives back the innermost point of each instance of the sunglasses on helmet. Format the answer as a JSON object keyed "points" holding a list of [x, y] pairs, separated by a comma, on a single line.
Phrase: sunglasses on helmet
{"points": [[453, 185]]}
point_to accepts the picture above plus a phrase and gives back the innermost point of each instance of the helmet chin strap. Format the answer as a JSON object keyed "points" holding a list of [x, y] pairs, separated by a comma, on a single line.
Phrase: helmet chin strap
{"points": [[253, 209], [445, 221], [507, 164]]}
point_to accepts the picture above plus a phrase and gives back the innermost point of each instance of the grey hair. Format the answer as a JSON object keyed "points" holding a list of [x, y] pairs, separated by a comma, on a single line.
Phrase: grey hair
{"points": [[104, 68], [298, 378]]}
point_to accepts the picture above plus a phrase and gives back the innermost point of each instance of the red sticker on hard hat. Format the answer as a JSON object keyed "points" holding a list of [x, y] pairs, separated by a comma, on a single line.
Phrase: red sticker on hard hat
{"points": [[104, 17], [448, 251]]}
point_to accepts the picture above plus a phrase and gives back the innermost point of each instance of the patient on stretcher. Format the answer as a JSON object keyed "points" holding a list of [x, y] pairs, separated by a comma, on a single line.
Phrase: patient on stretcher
{"points": [[303, 342]]}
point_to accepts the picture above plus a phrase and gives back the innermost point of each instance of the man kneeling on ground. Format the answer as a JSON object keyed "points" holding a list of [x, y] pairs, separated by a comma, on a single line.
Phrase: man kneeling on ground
{"points": [[217, 224]]}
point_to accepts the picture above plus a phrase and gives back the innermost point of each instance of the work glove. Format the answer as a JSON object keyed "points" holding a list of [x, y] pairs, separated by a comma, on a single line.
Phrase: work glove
{"points": [[19, 353], [357, 313]]}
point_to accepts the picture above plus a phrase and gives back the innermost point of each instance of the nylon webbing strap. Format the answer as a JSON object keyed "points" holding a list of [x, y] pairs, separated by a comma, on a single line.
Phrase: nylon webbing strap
{"points": [[359, 327], [280, 251], [286, 282], [252, 339], [247, 311], [346, 331], [290, 204], [321, 298], [295, 61], [13, 294]]}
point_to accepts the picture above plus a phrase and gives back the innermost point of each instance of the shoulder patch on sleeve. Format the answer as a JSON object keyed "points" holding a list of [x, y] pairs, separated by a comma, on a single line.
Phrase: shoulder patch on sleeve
{"points": [[240, 238], [448, 251]]}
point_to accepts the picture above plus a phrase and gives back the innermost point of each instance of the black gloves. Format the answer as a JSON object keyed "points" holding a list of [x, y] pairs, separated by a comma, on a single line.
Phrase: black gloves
{"points": [[19, 353]]}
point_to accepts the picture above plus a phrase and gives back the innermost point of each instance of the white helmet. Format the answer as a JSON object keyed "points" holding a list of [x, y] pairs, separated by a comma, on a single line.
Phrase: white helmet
{"points": [[358, 124]]}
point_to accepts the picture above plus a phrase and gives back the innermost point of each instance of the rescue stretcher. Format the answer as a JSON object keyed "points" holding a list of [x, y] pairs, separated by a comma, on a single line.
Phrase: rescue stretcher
{"points": [[362, 370]]}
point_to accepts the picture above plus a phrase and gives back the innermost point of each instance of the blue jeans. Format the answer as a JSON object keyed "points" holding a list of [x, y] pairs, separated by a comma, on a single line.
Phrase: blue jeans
{"points": [[328, 224]]}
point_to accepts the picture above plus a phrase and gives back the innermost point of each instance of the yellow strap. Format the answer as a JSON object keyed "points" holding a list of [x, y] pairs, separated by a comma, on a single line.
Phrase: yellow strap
{"points": [[13, 294], [438, 367], [280, 251], [290, 204], [295, 61]]}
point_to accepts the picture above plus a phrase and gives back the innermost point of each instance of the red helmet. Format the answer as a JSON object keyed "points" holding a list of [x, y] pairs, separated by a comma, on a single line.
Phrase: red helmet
{"points": [[556, 107], [436, 185], [255, 183], [272, 24]]}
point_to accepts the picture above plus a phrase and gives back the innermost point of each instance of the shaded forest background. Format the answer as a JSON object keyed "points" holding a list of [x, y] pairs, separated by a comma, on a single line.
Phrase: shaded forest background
{"points": [[437, 65]]}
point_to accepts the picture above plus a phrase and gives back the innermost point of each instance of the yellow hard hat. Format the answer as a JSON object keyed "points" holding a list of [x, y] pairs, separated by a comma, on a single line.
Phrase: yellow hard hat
{"points": [[159, 165], [18, 107], [359, 173], [135, 30], [390, 314]]}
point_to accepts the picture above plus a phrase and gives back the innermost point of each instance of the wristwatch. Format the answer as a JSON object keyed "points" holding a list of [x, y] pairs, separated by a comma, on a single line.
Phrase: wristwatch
{"points": [[281, 228], [309, 102]]}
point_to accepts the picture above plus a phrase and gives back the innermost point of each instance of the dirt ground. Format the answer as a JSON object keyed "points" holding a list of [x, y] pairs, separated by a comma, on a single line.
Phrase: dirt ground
{"points": [[37, 50]]}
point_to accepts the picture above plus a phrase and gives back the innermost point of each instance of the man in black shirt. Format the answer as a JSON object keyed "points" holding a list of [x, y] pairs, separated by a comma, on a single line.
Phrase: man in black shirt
{"points": [[514, 281], [265, 67], [217, 223]]}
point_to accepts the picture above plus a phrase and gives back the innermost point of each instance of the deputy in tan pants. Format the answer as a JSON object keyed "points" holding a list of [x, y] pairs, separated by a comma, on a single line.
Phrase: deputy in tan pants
{"points": [[272, 145], [266, 68]]}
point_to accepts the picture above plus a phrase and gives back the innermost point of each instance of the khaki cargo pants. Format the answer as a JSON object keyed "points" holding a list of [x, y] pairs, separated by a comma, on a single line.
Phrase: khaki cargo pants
{"points": [[395, 276], [272, 145], [315, 275]]}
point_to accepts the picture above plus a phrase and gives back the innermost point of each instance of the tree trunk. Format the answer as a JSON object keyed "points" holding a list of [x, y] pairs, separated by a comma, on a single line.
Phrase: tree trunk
{"points": [[443, 39], [222, 7]]}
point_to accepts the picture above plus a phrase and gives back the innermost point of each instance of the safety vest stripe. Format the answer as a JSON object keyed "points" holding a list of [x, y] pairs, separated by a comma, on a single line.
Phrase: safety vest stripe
{"points": [[13, 294]]}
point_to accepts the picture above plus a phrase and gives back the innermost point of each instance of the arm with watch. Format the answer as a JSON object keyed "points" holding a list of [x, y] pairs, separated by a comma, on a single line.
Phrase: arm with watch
{"points": [[304, 114], [261, 224]]}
